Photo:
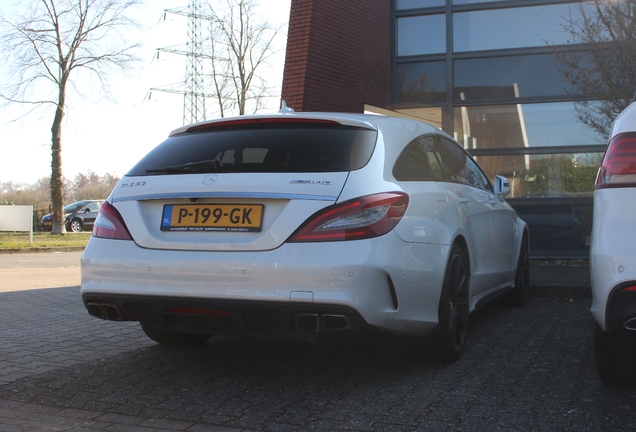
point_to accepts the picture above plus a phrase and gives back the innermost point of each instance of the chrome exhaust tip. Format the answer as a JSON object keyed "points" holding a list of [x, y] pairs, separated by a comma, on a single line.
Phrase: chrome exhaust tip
{"points": [[335, 322], [307, 323], [105, 311]]}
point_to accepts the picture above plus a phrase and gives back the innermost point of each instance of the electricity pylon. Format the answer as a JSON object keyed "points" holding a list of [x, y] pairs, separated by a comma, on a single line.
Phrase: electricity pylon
{"points": [[193, 90]]}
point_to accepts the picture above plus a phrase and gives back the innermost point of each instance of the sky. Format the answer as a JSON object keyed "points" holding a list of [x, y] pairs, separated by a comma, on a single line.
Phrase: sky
{"points": [[111, 136]]}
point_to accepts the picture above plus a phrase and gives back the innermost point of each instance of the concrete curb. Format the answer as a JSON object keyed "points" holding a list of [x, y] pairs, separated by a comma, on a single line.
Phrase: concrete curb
{"points": [[42, 250], [561, 291], [560, 279]]}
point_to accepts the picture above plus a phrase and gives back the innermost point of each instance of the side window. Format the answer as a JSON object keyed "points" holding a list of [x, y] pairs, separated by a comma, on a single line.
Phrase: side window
{"points": [[413, 164], [435, 160], [93, 206], [460, 167], [477, 177], [453, 160]]}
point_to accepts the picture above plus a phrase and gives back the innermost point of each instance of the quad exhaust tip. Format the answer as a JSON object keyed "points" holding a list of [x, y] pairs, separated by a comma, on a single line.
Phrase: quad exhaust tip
{"points": [[105, 311], [325, 322]]}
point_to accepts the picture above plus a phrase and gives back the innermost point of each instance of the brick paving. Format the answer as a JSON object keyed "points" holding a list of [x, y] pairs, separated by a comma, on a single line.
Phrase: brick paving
{"points": [[527, 369]]}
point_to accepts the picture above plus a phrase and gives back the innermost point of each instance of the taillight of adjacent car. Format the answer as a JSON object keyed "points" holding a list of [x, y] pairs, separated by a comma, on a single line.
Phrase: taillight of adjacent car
{"points": [[619, 164], [109, 224], [361, 218]]}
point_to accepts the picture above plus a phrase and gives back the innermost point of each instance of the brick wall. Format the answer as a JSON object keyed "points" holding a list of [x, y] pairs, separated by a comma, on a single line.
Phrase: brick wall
{"points": [[338, 55]]}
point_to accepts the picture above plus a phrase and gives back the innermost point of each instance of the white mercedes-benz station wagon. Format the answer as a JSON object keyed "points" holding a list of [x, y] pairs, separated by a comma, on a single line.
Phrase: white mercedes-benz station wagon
{"points": [[301, 224], [612, 256]]}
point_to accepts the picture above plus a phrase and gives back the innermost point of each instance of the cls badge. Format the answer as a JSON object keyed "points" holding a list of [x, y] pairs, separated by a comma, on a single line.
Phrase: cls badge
{"points": [[133, 184], [316, 182], [209, 179]]}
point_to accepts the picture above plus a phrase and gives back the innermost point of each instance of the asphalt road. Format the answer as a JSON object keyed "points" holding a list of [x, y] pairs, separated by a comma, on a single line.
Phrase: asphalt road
{"points": [[527, 369]]}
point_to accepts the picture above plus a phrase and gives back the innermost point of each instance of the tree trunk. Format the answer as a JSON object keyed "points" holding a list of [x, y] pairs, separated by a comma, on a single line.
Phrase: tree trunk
{"points": [[57, 193]]}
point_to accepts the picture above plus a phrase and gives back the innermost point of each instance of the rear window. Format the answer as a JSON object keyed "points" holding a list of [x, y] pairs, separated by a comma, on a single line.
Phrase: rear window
{"points": [[262, 149]]}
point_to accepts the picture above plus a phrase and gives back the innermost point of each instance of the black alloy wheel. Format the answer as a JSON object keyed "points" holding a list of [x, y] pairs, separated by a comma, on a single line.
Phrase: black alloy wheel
{"points": [[518, 296], [448, 338]]}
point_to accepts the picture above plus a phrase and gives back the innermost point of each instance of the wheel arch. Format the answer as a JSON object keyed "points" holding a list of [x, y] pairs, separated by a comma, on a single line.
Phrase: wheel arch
{"points": [[460, 241], [525, 234]]}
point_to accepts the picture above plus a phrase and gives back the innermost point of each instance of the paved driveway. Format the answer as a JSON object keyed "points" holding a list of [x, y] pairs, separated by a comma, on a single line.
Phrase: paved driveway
{"points": [[22, 271], [527, 369]]}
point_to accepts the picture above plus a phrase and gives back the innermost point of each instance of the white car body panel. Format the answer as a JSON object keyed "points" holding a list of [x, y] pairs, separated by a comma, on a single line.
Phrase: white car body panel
{"points": [[625, 121], [612, 251], [476, 225], [288, 204], [262, 266], [345, 273]]}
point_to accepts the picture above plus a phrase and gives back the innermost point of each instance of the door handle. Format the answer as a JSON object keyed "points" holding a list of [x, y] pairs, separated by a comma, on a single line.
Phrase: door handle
{"points": [[463, 200]]}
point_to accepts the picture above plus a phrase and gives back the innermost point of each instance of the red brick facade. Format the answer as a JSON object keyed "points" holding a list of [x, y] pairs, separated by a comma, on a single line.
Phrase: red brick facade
{"points": [[338, 55]]}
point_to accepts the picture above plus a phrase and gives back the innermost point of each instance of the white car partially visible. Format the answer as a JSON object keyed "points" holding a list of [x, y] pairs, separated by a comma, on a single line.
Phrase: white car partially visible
{"points": [[613, 256], [299, 224]]}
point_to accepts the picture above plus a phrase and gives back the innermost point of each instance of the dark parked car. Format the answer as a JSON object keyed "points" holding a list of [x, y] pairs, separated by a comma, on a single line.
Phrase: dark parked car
{"points": [[79, 216]]}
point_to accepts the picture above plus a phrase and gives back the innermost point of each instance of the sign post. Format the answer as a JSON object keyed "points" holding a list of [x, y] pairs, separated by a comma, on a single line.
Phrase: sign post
{"points": [[17, 218]]}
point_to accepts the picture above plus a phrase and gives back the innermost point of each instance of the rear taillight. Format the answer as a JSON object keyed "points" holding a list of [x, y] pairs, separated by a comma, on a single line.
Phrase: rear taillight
{"points": [[109, 224], [619, 164], [361, 218]]}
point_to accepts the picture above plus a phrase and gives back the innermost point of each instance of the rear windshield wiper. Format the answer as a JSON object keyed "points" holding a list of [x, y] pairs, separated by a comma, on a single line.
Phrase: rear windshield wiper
{"points": [[191, 166]]}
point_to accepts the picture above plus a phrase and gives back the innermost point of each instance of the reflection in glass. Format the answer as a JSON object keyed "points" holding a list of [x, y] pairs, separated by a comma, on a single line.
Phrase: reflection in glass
{"points": [[557, 227], [430, 115], [527, 125], [553, 175], [421, 35], [510, 77], [458, 2], [516, 27], [422, 82], [416, 4]]}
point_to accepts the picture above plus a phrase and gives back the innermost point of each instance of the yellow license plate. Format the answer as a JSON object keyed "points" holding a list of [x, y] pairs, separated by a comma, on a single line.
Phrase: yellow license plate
{"points": [[212, 217]]}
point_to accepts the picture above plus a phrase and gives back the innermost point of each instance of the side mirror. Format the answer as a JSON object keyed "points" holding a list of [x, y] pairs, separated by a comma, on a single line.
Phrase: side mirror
{"points": [[502, 187]]}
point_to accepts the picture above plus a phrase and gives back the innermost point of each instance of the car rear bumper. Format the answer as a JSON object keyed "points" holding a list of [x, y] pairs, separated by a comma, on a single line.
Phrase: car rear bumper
{"points": [[613, 258], [612, 306], [383, 283], [212, 316]]}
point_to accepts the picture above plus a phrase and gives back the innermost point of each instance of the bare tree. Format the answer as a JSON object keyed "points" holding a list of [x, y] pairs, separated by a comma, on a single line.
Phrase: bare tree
{"points": [[84, 186], [604, 68], [47, 47], [92, 186], [37, 195], [239, 47]]}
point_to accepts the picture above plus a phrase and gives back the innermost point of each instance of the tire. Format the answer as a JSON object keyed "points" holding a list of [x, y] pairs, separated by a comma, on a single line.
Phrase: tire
{"points": [[448, 339], [159, 334], [75, 225], [615, 356], [518, 296]]}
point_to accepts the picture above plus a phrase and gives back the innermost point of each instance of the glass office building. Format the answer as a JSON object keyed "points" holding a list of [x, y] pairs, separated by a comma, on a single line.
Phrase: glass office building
{"points": [[491, 74]]}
